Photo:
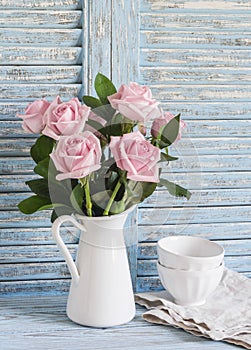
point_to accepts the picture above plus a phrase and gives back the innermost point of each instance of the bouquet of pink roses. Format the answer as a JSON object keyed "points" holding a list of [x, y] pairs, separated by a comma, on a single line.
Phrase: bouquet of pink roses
{"points": [[98, 158]]}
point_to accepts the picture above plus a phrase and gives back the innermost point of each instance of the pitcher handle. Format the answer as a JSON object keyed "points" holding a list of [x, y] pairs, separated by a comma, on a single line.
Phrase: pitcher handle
{"points": [[60, 243]]}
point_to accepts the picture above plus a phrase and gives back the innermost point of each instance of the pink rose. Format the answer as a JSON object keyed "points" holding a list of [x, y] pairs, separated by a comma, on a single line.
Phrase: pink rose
{"points": [[33, 119], [77, 155], [95, 118], [160, 122], [135, 102], [137, 156], [65, 118]]}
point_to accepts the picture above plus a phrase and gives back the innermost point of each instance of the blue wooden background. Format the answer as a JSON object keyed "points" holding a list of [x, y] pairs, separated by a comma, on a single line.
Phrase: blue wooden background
{"points": [[196, 57]]}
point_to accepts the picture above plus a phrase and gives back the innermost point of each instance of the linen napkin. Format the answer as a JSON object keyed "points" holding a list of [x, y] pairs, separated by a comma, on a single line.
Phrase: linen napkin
{"points": [[226, 315]]}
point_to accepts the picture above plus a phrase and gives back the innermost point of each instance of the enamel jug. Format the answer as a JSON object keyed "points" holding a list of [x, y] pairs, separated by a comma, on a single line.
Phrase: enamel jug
{"points": [[101, 293]]}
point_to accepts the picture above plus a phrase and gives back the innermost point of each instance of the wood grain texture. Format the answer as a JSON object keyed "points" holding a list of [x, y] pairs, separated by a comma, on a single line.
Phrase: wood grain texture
{"points": [[97, 43], [149, 267], [125, 46], [207, 129], [213, 21], [195, 56], [161, 199], [41, 4], [22, 55], [44, 74], [44, 37], [37, 91], [222, 180], [41, 323], [200, 5], [40, 19], [21, 146], [190, 52]]}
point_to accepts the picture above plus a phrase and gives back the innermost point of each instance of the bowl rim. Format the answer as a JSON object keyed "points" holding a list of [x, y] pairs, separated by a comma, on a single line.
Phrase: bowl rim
{"points": [[205, 240], [180, 271]]}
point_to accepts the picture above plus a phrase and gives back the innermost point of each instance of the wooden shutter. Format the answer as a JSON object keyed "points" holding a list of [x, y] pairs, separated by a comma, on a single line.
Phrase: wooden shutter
{"points": [[40, 56], [196, 56]]}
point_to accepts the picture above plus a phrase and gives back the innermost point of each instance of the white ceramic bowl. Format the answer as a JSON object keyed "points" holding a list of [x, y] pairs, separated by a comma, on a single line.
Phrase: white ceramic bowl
{"points": [[189, 253], [190, 287]]}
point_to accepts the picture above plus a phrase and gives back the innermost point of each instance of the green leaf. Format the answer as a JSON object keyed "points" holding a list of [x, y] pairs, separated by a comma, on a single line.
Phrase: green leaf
{"points": [[166, 157], [105, 111], [96, 125], [61, 210], [34, 203], [175, 190], [170, 132], [76, 198], [137, 191], [104, 87], [40, 187], [92, 102], [42, 167], [42, 148]]}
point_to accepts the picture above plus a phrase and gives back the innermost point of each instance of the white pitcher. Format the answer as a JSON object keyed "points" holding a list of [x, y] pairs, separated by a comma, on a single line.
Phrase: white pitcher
{"points": [[101, 293]]}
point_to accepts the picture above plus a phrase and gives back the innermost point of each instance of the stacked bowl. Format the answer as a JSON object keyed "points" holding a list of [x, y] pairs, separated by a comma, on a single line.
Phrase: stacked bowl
{"points": [[190, 268]]}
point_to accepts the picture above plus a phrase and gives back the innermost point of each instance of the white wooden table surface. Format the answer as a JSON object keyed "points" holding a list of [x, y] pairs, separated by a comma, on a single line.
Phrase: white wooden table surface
{"points": [[40, 323]]}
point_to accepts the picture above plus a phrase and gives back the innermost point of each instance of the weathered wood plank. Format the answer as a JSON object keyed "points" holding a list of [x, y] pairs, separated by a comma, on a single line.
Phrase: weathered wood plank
{"points": [[225, 180], [207, 75], [23, 55], [161, 198], [201, 110], [21, 147], [210, 163], [41, 323], [59, 270], [41, 4], [33, 271], [187, 164], [193, 58], [38, 91], [237, 247], [147, 216], [150, 283], [15, 219], [33, 253], [213, 21], [237, 263], [146, 251], [219, 128], [125, 66], [32, 288], [210, 110], [36, 236], [199, 5], [225, 230], [43, 74], [191, 39], [199, 215], [166, 92], [151, 233], [40, 19], [98, 42], [203, 197], [212, 145], [44, 37], [207, 129]]}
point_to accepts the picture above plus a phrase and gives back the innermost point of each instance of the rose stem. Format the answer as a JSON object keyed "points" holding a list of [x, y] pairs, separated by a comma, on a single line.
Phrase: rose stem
{"points": [[86, 185], [114, 193]]}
